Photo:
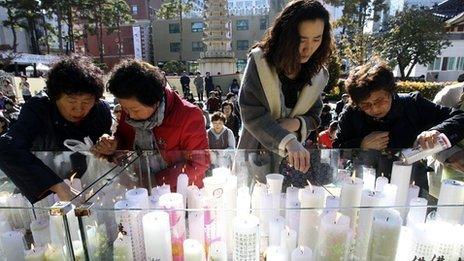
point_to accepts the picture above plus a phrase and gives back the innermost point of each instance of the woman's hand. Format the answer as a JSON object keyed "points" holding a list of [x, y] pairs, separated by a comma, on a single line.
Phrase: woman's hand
{"points": [[376, 140], [290, 124], [427, 139], [298, 156], [106, 145], [64, 192]]}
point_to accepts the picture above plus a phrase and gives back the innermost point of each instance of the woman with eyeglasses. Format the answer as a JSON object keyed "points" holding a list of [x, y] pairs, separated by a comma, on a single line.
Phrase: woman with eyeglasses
{"points": [[154, 118], [379, 118]]}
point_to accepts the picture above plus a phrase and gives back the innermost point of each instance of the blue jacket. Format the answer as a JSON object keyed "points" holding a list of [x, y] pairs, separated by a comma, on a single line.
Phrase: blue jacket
{"points": [[410, 114], [41, 127]]}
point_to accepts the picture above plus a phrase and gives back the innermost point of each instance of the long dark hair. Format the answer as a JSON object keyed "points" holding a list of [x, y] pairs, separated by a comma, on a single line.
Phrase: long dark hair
{"points": [[281, 41]]}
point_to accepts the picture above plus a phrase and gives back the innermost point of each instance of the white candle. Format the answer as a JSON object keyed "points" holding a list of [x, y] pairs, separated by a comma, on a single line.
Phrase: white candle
{"points": [[218, 251], [350, 198], [451, 193], [385, 234], [246, 238], [288, 239], [274, 182], [334, 237], [74, 183], [40, 232], [193, 250], [122, 248], [292, 204], [196, 226], [332, 203], [34, 254], [302, 253], [368, 199], [157, 234], [161, 190], [244, 199], [389, 190], [380, 182], [413, 192], [368, 176], [276, 225], [12, 243], [172, 202], [265, 214], [128, 218], [193, 197], [259, 192], [401, 177], [221, 171], [311, 200], [139, 196], [417, 212], [182, 185], [276, 253], [4, 226]]}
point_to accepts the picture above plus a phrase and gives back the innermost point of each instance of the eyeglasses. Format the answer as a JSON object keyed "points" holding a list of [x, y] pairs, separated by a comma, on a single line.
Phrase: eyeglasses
{"points": [[381, 101]]}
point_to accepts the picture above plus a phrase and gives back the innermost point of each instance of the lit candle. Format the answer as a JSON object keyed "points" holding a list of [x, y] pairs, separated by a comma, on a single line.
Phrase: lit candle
{"points": [[302, 253], [413, 192], [389, 190], [380, 182], [157, 234], [182, 185], [274, 183], [246, 238], [292, 216], [40, 232], [172, 202], [265, 213], [243, 196], [161, 190], [401, 177], [74, 183], [122, 248], [193, 250], [12, 243], [385, 234], [310, 197], [193, 194], [417, 211], [128, 219], [334, 237], [34, 254], [259, 192], [368, 199], [451, 193], [288, 239], [332, 203], [350, 198], [218, 251], [196, 225], [54, 253], [276, 253], [139, 196], [276, 225], [368, 177]]}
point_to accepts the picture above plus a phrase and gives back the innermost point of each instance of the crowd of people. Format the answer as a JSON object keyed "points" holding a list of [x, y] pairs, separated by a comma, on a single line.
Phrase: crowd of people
{"points": [[278, 106]]}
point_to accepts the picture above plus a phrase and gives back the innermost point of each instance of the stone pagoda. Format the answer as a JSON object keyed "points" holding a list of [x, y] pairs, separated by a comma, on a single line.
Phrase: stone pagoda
{"points": [[217, 36]]}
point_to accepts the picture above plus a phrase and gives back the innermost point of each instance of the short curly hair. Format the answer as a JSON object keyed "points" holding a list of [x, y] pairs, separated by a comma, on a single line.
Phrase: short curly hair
{"points": [[137, 79], [365, 79], [75, 75], [218, 116]]}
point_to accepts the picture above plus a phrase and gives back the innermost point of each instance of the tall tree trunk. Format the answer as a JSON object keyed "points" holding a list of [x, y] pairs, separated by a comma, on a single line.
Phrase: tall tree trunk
{"points": [[119, 41], [70, 29], [31, 29], [47, 44], [102, 60], [13, 30], [60, 31], [181, 40], [86, 38]]}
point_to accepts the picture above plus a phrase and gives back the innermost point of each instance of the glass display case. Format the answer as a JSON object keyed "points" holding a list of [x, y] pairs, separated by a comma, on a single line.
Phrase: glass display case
{"points": [[238, 205]]}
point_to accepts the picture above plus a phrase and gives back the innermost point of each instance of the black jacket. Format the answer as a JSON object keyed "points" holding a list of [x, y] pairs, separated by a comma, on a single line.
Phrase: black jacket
{"points": [[410, 114], [40, 126]]}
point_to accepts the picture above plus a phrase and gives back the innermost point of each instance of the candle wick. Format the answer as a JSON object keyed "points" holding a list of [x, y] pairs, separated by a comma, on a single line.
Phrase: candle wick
{"points": [[387, 219]]}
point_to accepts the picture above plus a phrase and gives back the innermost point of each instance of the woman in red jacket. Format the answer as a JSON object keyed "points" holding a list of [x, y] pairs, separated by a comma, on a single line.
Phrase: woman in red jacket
{"points": [[155, 118]]}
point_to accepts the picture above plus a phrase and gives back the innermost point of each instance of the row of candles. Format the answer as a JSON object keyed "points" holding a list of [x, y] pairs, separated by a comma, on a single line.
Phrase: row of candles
{"points": [[301, 224]]}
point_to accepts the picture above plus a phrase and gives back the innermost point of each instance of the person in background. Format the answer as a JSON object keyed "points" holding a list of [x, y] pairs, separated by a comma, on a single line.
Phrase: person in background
{"points": [[219, 136], [234, 87], [3, 101], [326, 137], [198, 81], [341, 104], [231, 97], [213, 103], [190, 98], [185, 83], [9, 90], [218, 91], [326, 117], [209, 86], [232, 121], [72, 110], [4, 124], [25, 89], [156, 119], [280, 96]]}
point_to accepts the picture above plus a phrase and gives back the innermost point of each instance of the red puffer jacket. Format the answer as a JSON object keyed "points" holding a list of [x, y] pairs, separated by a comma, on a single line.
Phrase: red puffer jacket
{"points": [[181, 138]]}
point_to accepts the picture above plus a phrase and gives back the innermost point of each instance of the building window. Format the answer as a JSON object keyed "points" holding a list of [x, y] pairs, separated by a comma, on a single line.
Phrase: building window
{"points": [[174, 47], [197, 27], [174, 28], [435, 66], [135, 9], [241, 64], [460, 28], [451, 64], [460, 64], [444, 64], [242, 25], [262, 24], [197, 46], [243, 45]]}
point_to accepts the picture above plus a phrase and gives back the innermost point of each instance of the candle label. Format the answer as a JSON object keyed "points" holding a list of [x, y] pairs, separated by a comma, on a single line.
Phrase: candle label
{"points": [[245, 246]]}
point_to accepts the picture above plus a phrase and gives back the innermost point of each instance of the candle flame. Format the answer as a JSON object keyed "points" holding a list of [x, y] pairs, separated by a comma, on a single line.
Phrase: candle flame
{"points": [[183, 169], [291, 185], [382, 174], [413, 183], [120, 236], [32, 247], [72, 177], [287, 229], [353, 176]]}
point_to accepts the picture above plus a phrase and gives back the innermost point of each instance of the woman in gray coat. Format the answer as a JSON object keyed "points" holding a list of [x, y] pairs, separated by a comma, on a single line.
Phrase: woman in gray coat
{"points": [[280, 94]]}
